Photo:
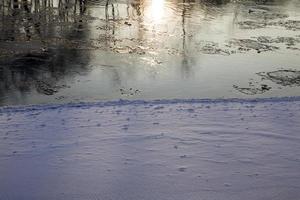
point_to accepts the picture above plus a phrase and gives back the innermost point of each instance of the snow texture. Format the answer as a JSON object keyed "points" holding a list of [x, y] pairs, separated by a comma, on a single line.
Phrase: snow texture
{"points": [[152, 150]]}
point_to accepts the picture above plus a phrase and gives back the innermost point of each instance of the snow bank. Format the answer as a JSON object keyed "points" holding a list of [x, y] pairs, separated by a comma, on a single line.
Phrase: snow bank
{"points": [[165, 149]]}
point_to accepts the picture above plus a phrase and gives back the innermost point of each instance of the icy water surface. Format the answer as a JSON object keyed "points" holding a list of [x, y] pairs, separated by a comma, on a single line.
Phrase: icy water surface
{"points": [[69, 51]]}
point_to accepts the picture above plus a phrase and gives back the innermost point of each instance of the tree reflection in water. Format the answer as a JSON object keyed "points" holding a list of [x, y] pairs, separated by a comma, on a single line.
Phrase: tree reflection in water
{"points": [[33, 62], [44, 43]]}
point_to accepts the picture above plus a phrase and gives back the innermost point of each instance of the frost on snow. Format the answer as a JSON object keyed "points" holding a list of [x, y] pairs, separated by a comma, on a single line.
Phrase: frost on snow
{"points": [[167, 149]]}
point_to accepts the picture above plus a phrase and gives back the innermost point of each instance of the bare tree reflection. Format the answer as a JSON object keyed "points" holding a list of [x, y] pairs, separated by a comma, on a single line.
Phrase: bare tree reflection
{"points": [[33, 65], [42, 42], [186, 64]]}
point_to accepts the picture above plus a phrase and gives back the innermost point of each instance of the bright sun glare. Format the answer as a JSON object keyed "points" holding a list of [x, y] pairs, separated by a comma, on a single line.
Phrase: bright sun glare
{"points": [[155, 11]]}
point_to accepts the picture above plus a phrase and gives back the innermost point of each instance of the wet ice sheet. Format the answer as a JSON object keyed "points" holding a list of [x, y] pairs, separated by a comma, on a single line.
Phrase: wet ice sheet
{"points": [[167, 149], [281, 78], [87, 51]]}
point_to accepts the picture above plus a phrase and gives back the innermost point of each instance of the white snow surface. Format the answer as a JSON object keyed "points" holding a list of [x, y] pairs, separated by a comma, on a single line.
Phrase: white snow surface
{"points": [[152, 150]]}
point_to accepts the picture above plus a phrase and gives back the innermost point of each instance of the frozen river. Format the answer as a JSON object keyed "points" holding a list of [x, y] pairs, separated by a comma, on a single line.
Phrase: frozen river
{"points": [[210, 108], [73, 51]]}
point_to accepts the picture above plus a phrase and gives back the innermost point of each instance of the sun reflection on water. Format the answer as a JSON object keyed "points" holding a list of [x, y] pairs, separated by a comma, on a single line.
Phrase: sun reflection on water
{"points": [[155, 12]]}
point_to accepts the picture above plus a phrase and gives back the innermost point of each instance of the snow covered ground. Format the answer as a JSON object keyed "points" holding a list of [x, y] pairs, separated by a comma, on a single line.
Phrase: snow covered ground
{"points": [[155, 150]]}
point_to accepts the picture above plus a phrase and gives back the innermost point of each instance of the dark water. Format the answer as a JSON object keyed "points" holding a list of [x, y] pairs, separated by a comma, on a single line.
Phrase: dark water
{"points": [[69, 51]]}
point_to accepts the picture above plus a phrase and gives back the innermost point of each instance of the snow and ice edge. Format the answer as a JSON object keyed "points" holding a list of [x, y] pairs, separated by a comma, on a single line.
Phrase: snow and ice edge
{"points": [[122, 102]]}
